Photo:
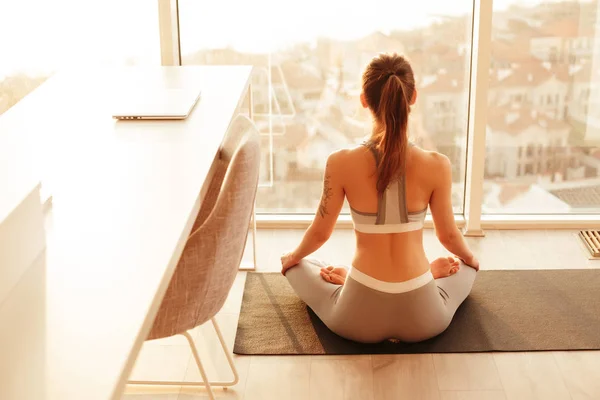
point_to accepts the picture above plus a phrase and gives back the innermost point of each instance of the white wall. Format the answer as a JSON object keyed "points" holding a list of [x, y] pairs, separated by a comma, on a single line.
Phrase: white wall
{"points": [[539, 135], [579, 100], [580, 46], [541, 47], [506, 95], [503, 149], [557, 91], [502, 154]]}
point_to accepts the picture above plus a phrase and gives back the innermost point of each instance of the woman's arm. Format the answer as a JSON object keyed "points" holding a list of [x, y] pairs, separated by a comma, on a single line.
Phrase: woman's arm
{"points": [[443, 215], [324, 221]]}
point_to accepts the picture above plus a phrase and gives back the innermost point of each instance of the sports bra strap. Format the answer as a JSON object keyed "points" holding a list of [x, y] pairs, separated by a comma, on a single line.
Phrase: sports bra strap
{"points": [[394, 197]]}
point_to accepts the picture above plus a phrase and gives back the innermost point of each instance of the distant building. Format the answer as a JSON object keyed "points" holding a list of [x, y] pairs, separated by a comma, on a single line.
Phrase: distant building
{"points": [[326, 138], [585, 11], [284, 151], [584, 105], [305, 83], [346, 60], [506, 54], [565, 41], [442, 107], [437, 56], [586, 101], [523, 142], [516, 29], [531, 85], [444, 103]]}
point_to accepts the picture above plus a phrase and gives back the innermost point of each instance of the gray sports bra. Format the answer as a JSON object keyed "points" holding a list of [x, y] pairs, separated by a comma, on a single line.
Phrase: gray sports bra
{"points": [[392, 215]]}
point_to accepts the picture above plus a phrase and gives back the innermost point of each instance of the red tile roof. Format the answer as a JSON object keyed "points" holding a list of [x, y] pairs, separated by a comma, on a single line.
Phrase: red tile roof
{"points": [[595, 153], [566, 28], [517, 51], [529, 74], [516, 120], [522, 30], [440, 48], [446, 83]]}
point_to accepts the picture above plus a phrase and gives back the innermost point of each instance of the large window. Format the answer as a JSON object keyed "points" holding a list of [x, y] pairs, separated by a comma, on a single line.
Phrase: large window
{"points": [[308, 60], [543, 128], [38, 37], [543, 107]]}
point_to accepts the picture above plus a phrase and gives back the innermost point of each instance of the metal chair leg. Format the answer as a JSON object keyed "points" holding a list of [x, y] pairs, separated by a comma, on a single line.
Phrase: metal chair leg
{"points": [[211, 395], [236, 376], [208, 384]]}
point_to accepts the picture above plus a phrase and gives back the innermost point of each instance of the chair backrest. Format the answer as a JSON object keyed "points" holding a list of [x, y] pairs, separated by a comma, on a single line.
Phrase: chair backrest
{"points": [[238, 129], [213, 253]]}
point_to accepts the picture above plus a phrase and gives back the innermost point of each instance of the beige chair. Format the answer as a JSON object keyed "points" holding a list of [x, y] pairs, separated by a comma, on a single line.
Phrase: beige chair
{"points": [[238, 129], [213, 252]]}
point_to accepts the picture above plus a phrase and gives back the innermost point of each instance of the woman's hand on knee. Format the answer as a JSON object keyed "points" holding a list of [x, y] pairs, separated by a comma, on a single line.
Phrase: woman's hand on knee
{"points": [[473, 262], [288, 261]]}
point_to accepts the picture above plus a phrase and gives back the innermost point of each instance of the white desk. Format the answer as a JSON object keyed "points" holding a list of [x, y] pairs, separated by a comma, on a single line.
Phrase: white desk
{"points": [[125, 195], [22, 265]]}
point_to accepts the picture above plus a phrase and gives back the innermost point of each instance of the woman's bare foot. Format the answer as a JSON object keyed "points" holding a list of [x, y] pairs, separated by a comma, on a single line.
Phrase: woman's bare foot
{"points": [[444, 267], [335, 275]]}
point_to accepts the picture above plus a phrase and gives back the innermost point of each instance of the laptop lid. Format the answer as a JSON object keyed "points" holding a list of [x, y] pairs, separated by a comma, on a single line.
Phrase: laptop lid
{"points": [[156, 103]]}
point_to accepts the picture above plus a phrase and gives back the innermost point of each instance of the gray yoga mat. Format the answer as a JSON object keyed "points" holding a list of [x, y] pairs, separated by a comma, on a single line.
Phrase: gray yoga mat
{"points": [[508, 310]]}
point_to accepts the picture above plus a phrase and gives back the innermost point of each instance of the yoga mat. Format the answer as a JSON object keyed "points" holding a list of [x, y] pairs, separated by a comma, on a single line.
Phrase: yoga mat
{"points": [[507, 310]]}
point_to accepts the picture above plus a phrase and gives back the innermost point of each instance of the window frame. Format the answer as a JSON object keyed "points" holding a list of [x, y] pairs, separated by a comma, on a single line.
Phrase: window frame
{"points": [[472, 220]]}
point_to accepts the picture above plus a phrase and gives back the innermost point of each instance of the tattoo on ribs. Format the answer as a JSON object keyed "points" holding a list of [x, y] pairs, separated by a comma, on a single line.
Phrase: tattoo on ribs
{"points": [[326, 196]]}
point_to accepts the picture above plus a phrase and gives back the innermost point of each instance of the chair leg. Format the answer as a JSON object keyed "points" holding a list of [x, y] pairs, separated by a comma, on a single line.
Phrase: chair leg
{"points": [[205, 381], [236, 377], [190, 339]]}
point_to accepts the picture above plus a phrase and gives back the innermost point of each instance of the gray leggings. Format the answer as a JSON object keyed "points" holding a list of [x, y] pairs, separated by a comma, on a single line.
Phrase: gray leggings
{"points": [[360, 313]]}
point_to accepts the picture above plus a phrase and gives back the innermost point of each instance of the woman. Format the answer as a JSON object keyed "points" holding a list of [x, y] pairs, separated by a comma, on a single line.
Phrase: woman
{"points": [[391, 291]]}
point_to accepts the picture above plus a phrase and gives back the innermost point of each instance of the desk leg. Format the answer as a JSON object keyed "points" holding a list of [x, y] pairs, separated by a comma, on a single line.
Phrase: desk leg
{"points": [[251, 266], [250, 103], [247, 265]]}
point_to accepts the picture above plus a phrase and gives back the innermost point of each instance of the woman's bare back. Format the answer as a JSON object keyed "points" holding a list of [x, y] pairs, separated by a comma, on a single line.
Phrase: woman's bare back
{"points": [[391, 257]]}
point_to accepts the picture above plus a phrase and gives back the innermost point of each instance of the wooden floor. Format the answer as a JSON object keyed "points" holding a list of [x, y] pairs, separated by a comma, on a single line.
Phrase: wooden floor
{"points": [[486, 376]]}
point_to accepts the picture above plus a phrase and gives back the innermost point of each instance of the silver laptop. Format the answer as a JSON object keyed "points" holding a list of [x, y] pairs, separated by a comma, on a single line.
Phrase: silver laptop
{"points": [[155, 103]]}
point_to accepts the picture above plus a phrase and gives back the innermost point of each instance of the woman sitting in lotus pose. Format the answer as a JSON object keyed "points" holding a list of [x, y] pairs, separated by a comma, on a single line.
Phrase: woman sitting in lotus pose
{"points": [[391, 291]]}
